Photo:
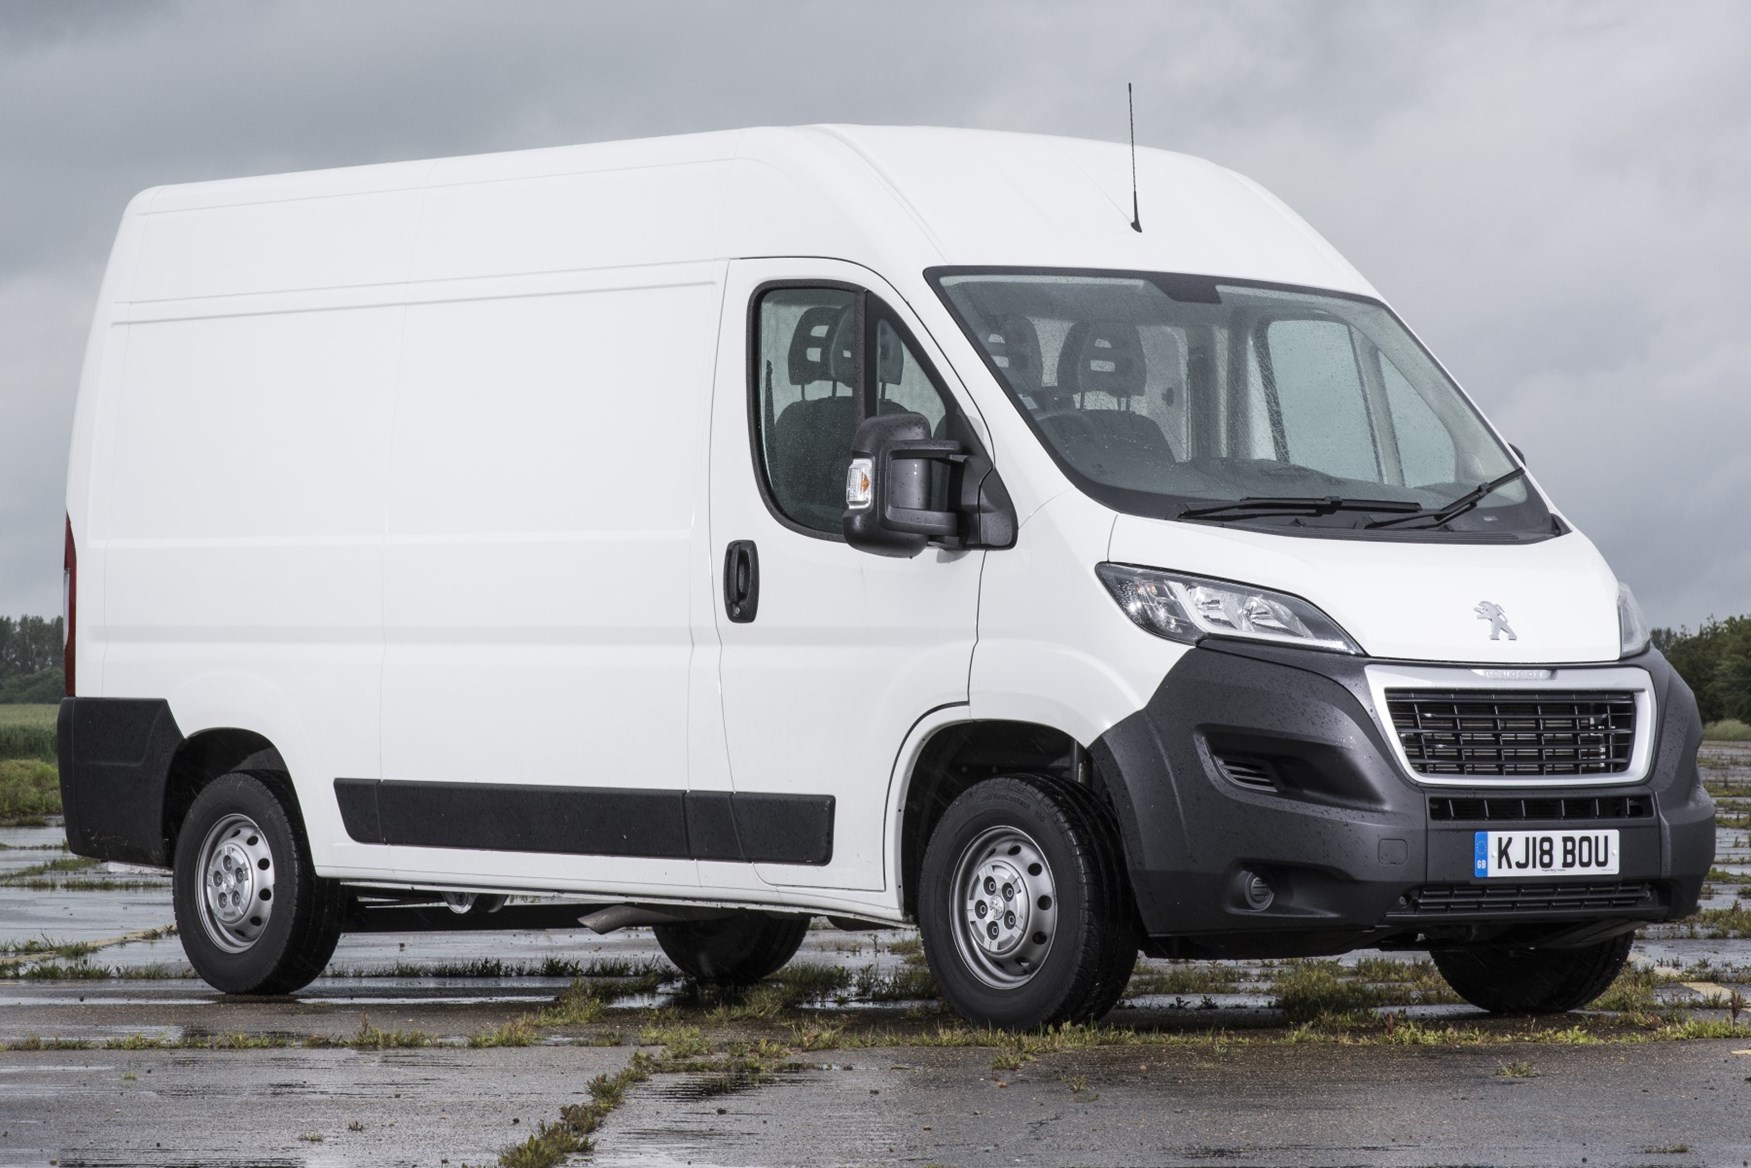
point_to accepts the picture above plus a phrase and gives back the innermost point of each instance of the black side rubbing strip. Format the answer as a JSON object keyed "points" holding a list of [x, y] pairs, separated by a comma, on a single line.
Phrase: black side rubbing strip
{"points": [[711, 826], [785, 829], [358, 809], [749, 827]]}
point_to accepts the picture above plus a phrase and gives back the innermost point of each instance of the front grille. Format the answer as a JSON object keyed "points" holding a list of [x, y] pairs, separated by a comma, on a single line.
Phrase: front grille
{"points": [[1493, 899], [1607, 807], [1514, 733]]}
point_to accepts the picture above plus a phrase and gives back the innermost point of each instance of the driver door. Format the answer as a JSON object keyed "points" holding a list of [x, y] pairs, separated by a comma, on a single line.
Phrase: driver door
{"points": [[831, 654]]}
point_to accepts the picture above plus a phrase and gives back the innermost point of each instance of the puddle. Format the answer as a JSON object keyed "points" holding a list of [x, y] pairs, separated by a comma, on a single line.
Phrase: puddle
{"points": [[431, 1000], [697, 1088], [34, 837]]}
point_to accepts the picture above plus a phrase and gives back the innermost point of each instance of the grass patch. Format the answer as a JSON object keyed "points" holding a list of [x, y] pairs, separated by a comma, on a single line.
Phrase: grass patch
{"points": [[909, 948], [44, 947], [104, 884], [28, 732], [1691, 1028], [679, 1042], [741, 1063], [30, 791], [517, 1032], [1516, 1069], [1631, 993], [67, 971], [809, 980], [1404, 983], [1184, 977], [492, 967], [369, 1037], [910, 983], [1732, 813], [579, 1004], [1726, 730], [807, 984], [53, 867], [1730, 923], [1322, 993]]}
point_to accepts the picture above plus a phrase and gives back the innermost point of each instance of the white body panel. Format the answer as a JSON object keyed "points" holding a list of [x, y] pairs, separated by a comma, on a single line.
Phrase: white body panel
{"points": [[425, 472], [536, 601]]}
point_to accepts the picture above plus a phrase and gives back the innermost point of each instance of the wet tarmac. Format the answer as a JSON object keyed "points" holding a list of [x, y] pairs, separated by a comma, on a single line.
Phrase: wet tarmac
{"points": [[314, 1108], [372, 1064], [1673, 1104]]}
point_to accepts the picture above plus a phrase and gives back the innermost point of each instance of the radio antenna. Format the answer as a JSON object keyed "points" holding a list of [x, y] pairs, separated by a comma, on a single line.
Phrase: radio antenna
{"points": [[1131, 109]]}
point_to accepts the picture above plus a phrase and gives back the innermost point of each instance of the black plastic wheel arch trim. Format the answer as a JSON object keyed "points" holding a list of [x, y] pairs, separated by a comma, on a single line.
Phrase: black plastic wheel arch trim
{"points": [[114, 758]]}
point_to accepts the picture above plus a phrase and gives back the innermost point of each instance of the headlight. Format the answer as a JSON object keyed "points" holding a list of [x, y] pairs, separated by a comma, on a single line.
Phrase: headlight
{"points": [[1190, 608], [1632, 627]]}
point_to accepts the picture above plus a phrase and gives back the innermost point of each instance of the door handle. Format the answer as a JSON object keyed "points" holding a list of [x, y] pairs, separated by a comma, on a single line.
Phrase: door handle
{"points": [[742, 581]]}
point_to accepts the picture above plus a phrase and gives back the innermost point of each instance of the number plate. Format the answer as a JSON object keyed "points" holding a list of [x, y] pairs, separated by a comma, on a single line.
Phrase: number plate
{"points": [[1545, 853]]}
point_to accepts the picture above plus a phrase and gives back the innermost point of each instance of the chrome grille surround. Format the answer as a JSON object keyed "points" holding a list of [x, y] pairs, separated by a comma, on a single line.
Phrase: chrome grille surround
{"points": [[1450, 682]]}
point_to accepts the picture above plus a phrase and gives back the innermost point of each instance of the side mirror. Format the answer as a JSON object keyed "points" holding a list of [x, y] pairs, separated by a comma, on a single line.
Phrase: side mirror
{"points": [[888, 505]]}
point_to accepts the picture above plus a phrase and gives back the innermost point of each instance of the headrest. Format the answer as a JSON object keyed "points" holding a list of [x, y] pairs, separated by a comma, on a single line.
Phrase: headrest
{"points": [[811, 345], [1014, 346], [843, 357], [1102, 358], [890, 355]]}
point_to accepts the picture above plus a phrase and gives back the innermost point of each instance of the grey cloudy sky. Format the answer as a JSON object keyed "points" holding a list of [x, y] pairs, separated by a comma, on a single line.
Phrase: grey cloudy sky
{"points": [[1557, 196]]}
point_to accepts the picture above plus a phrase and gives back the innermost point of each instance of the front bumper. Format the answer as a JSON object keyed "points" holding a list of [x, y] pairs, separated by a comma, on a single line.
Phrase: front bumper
{"points": [[1255, 760]]}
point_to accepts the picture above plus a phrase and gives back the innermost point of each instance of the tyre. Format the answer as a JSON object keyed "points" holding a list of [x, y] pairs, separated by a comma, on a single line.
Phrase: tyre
{"points": [[739, 949], [1023, 905], [1506, 980], [253, 915]]}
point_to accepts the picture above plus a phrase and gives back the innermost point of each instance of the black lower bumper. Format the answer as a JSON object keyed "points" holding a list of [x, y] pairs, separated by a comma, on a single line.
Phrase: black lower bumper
{"points": [[1256, 769]]}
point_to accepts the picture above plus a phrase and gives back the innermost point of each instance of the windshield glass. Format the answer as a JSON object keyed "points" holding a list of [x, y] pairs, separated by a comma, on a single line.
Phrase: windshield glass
{"points": [[1161, 394]]}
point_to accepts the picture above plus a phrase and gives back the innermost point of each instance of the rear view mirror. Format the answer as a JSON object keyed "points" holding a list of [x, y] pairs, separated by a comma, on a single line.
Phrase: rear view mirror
{"points": [[888, 507]]}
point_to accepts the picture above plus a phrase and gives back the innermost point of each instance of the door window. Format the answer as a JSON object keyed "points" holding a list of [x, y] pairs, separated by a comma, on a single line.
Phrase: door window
{"points": [[807, 380], [815, 353]]}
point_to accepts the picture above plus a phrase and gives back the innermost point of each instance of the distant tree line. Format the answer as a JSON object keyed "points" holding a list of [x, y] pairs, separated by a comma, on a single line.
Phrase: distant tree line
{"points": [[1715, 661], [30, 660]]}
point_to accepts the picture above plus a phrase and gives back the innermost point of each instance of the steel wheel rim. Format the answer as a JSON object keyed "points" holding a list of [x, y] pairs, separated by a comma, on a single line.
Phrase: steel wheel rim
{"points": [[1004, 904], [236, 869]]}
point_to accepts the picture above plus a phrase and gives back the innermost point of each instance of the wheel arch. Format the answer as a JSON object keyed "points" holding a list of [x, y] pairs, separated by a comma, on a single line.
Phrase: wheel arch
{"points": [[955, 755], [208, 754]]}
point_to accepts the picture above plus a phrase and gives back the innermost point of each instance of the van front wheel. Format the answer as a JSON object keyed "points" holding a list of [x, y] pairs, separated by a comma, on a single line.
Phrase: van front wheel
{"points": [[1023, 906], [253, 915]]}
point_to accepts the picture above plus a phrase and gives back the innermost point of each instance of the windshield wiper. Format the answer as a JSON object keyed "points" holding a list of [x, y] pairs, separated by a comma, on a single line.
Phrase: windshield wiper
{"points": [[1459, 506], [1259, 507]]}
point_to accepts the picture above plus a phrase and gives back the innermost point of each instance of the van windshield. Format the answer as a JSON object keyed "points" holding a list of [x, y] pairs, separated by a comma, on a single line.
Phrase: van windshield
{"points": [[1176, 397]]}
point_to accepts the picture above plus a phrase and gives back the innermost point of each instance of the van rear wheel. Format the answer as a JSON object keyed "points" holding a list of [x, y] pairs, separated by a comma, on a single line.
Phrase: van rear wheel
{"points": [[1023, 905], [1506, 980], [739, 949], [253, 915]]}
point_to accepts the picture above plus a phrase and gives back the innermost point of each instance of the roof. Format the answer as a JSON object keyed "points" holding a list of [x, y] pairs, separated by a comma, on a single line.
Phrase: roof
{"points": [[897, 199]]}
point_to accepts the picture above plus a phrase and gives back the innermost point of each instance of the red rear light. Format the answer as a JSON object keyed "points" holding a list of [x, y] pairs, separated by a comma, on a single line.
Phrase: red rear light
{"points": [[69, 604]]}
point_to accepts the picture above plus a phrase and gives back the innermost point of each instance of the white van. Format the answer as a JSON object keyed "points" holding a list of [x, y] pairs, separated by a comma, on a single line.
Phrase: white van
{"points": [[717, 531]]}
